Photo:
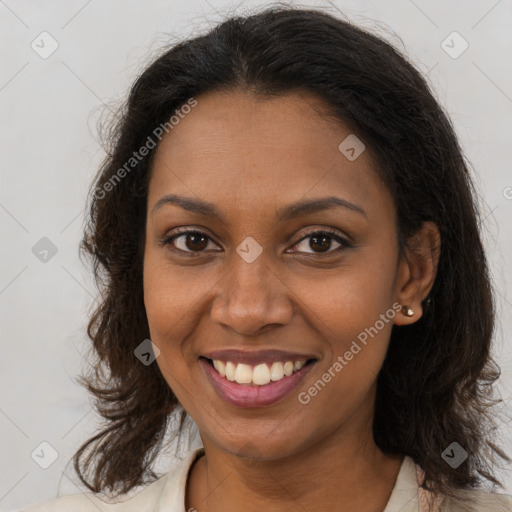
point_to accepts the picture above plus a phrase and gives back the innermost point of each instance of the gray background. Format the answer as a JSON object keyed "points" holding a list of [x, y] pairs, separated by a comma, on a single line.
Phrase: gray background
{"points": [[49, 108]]}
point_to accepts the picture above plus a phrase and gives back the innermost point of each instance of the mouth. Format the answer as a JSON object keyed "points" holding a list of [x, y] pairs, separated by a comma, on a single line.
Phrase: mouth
{"points": [[258, 375], [255, 385]]}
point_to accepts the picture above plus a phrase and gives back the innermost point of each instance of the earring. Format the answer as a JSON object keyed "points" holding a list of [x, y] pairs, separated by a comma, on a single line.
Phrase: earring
{"points": [[407, 311]]}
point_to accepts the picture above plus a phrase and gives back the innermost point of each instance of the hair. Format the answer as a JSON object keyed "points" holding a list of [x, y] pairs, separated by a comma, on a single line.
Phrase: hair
{"points": [[436, 382]]}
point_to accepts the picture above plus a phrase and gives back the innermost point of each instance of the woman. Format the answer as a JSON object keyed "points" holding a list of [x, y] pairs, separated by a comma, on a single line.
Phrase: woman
{"points": [[286, 214]]}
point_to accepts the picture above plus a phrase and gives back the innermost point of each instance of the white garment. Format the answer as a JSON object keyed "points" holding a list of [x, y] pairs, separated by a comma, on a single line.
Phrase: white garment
{"points": [[167, 494]]}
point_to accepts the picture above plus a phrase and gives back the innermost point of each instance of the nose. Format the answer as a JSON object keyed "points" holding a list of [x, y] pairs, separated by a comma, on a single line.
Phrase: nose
{"points": [[251, 298]]}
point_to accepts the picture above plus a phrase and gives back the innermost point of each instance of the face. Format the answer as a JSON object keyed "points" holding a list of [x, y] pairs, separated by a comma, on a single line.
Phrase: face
{"points": [[247, 279]]}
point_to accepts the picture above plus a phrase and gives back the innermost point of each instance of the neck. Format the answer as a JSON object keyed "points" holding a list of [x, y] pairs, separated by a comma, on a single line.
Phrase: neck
{"points": [[332, 474]]}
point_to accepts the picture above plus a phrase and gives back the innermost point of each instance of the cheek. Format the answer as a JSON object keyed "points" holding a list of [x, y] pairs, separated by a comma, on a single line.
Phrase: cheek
{"points": [[169, 295], [353, 315], [349, 300], [164, 308], [356, 343], [173, 307], [167, 320]]}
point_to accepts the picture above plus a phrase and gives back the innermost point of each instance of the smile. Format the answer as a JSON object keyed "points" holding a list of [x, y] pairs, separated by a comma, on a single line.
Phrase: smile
{"points": [[258, 384], [259, 375]]}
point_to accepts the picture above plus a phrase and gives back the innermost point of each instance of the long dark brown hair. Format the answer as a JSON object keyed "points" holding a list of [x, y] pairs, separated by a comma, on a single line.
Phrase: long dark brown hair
{"points": [[436, 383]]}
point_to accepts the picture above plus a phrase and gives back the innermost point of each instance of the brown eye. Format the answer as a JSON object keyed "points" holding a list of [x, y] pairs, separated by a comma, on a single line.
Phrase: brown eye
{"points": [[196, 241], [321, 242], [188, 241]]}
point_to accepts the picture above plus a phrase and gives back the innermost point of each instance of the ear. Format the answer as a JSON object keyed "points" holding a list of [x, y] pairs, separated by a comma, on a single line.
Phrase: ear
{"points": [[417, 271]]}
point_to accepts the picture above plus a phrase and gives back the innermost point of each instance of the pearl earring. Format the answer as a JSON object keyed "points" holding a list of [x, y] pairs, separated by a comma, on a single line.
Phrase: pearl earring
{"points": [[407, 311]]}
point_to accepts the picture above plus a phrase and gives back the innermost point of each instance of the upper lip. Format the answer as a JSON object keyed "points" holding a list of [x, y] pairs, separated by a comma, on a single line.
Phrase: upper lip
{"points": [[257, 356]]}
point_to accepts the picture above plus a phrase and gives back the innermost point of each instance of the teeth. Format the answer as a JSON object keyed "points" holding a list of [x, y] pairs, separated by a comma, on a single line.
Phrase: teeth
{"points": [[260, 374], [220, 366], [230, 371], [277, 371], [297, 365], [243, 374]]}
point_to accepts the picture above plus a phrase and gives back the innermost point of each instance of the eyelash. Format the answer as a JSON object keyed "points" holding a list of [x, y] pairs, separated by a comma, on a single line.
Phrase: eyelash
{"points": [[344, 244]]}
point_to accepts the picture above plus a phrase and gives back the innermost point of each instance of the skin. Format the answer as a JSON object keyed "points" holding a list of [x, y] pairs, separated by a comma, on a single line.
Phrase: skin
{"points": [[250, 157]]}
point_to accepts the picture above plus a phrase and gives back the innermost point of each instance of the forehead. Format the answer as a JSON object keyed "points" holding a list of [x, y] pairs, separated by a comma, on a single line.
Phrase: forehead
{"points": [[241, 151]]}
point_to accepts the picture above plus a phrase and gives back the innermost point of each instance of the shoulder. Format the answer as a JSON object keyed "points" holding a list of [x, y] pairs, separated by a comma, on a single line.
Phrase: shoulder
{"points": [[168, 489], [479, 501], [463, 500], [144, 501]]}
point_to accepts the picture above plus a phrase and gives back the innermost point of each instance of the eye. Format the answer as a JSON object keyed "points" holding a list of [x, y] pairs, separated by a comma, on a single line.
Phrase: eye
{"points": [[321, 241], [188, 240], [194, 241]]}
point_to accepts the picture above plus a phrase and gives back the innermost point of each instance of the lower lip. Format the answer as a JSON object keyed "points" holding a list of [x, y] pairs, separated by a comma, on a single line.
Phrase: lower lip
{"points": [[251, 395]]}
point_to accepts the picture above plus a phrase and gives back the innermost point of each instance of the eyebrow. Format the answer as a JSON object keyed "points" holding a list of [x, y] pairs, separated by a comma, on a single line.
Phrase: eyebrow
{"points": [[298, 209]]}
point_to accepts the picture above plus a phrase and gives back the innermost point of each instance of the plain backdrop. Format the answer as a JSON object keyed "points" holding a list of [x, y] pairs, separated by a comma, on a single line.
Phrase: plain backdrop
{"points": [[50, 104]]}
